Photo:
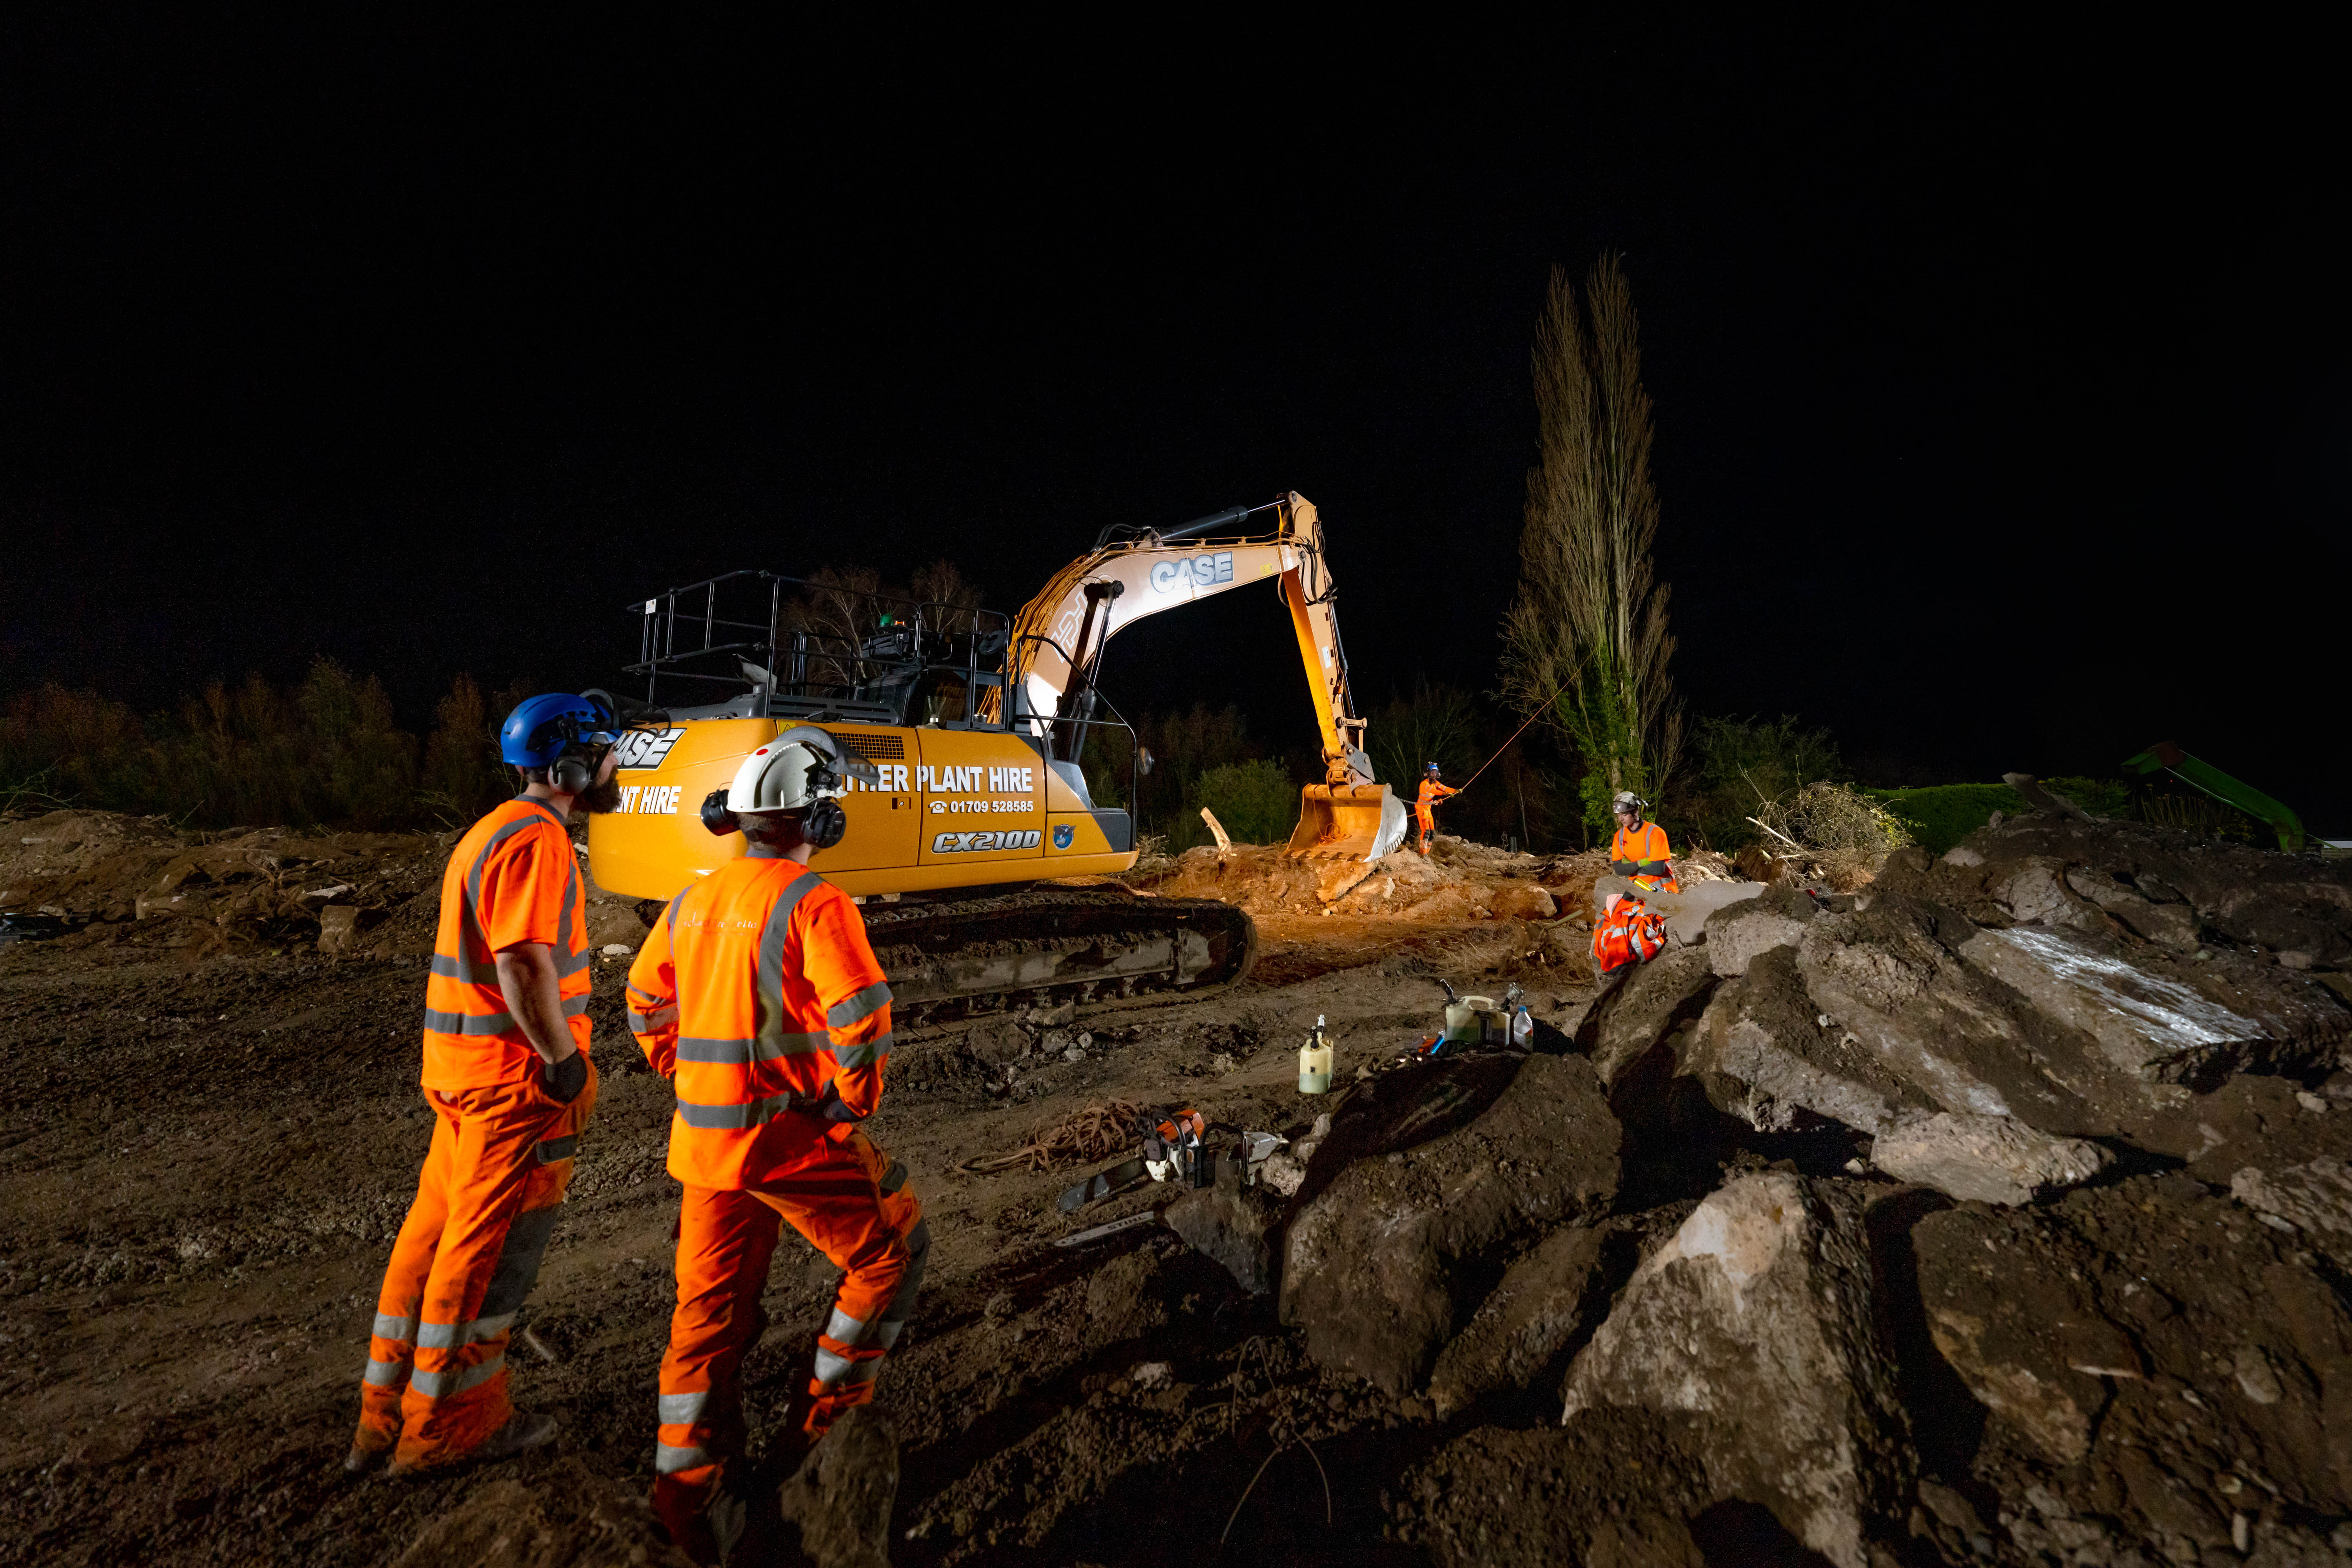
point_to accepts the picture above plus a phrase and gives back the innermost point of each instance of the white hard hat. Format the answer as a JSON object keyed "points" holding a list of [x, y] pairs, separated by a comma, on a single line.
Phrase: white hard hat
{"points": [[777, 777]]}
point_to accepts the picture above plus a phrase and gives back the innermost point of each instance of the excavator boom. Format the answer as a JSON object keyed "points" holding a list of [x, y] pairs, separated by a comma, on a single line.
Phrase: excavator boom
{"points": [[1059, 636]]}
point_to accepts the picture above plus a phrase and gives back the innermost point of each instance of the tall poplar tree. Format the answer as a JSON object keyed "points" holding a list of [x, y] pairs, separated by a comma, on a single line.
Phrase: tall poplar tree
{"points": [[1586, 640]]}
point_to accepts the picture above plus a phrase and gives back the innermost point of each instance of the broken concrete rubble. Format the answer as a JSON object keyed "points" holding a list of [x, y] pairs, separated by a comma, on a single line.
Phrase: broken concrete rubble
{"points": [[1992, 1159], [1760, 1317], [1232, 1225], [2147, 1352], [2150, 1025], [1892, 975], [1764, 1055], [2312, 1201], [1526, 1322], [1430, 1176], [1658, 997], [2245, 895], [1738, 932]]}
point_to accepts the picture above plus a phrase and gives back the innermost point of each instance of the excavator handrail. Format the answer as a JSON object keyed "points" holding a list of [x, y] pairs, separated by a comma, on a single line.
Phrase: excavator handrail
{"points": [[876, 655]]}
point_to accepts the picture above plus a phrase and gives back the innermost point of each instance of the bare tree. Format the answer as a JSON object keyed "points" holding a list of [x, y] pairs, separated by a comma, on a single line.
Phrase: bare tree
{"points": [[1587, 639], [941, 589]]}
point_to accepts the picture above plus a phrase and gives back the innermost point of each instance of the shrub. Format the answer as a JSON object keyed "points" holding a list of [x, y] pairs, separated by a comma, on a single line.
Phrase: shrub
{"points": [[1843, 835], [1744, 764], [1256, 801]]}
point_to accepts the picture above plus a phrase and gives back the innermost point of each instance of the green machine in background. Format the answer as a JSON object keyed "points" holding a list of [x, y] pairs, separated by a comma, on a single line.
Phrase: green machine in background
{"points": [[2165, 757]]}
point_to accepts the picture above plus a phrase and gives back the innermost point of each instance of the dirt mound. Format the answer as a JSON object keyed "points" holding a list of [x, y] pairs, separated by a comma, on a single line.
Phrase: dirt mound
{"points": [[1769, 1347], [115, 880], [1457, 880]]}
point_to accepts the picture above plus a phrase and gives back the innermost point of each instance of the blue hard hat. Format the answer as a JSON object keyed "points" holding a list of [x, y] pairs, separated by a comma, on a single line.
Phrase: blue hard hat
{"points": [[1432, 767], [541, 727]]}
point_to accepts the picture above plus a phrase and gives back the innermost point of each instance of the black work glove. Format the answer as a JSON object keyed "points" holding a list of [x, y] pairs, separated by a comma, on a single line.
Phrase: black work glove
{"points": [[566, 1078]]}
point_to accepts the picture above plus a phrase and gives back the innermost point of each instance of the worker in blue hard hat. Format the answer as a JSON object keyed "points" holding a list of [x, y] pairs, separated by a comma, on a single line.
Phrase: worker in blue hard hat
{"points": [[509, 1081], [1433, 790]]}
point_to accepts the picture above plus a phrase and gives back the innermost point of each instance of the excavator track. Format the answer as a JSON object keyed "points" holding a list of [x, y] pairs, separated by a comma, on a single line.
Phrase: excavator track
{"points": [[1106, 950]]}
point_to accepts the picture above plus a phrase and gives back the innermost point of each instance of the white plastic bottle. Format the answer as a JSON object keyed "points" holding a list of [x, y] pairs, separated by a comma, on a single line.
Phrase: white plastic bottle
{"points": [[1314, 1062]]}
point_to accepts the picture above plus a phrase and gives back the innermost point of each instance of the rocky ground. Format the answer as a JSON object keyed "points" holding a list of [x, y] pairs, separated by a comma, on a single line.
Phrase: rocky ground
{"points": [[2000, 1212]]}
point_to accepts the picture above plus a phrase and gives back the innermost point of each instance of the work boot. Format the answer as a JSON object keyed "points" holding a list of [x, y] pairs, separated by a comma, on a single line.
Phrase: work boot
{"points": [[520, 1432], [365, 1461]]}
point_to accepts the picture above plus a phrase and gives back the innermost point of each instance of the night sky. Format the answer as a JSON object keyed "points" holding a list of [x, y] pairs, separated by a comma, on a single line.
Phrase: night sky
{"points": [[2003, 387]]}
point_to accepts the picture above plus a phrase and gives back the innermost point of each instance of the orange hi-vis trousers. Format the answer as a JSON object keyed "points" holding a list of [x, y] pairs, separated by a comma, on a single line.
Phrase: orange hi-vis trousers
{"points": [[467, 1255], [855, 1205]]}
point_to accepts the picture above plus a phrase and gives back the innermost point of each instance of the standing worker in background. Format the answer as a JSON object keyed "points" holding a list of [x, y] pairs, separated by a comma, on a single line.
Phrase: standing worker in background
{"points": [[1639, 852], [759, 990], [508, 1079], [1433, 790]]}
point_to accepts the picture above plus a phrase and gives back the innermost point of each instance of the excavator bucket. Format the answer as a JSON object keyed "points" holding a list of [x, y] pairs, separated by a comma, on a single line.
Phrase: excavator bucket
{"points": [[1348, 822]]}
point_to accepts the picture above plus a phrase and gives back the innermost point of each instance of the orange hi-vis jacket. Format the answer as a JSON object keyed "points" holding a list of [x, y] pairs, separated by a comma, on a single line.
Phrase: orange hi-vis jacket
{"points": [[759, 990], [517, 864], [1629, 933], [1642, 856]]}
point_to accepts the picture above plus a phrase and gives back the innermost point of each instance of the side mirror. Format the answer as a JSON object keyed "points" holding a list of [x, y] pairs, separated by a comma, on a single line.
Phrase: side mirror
{"points": [[1144, 760]]}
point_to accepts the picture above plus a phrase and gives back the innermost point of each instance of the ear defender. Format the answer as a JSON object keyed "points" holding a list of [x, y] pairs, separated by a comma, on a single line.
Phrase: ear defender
{"points": [[573, 776], [824, 823], [715, 815]]}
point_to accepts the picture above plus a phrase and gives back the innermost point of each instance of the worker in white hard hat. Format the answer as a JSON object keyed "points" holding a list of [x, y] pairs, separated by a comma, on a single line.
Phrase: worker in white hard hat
{"points": [[1639, 852], [759, 991]]}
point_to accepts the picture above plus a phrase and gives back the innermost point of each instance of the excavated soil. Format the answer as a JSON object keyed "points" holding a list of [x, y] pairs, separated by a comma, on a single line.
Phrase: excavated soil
{"points": [[214, 1133], [215, 1128]]}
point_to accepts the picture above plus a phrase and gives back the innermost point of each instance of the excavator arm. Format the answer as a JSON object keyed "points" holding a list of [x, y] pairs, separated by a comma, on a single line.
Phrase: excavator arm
{"points": [[1059, 636]]}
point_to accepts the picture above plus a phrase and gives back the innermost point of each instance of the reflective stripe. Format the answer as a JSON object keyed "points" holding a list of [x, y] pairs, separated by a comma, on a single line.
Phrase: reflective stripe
{"points": [[843, 1329], [866, 1054], [894, 1178], [552, 1150], [669, 1460], [864, 1370], [565, 926], [768, 998], [385, 1374], [480, 966], [442, 1023], [474, 872], [844, 1012], [744, 1052], [391, 1328], [490, 1023], [715, 1118], [442, 1384], [449, 1336], [887, 1334], [830, 1367], [682, 1409]]}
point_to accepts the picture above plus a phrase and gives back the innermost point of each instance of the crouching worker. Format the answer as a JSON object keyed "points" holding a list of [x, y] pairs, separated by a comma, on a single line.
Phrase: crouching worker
{"points": [[508, 1080], [759, 991]]}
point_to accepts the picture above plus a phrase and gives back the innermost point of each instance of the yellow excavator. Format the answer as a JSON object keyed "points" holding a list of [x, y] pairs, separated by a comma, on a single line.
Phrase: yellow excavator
{"points": [[966, 739]]}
